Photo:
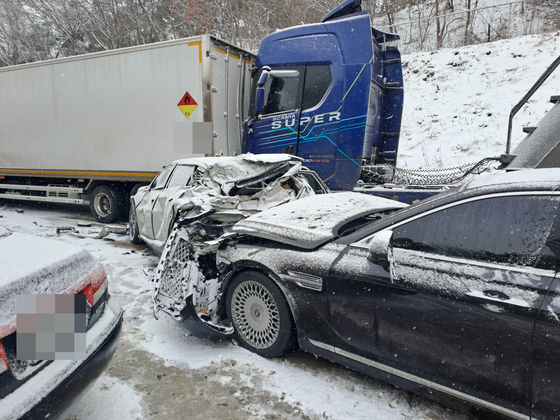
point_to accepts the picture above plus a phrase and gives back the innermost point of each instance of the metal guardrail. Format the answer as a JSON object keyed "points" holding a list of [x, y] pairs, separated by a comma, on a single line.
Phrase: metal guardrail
{"points": [[527, 96]]}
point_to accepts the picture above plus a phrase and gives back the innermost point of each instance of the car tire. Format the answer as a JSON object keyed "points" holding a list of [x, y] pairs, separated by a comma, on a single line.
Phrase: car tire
{"points": [[133, 230], [260, 315], [106, 204]]}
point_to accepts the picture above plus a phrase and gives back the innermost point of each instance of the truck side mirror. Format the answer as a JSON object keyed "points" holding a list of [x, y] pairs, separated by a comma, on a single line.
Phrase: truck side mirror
{"points": [[263, 77], [260, 100], [260, 89], [378, 249], [285, 74]]}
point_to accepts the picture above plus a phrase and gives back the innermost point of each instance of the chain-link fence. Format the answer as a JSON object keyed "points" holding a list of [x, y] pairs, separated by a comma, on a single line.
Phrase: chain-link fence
{"points": [[428, 29], [428, 177]]}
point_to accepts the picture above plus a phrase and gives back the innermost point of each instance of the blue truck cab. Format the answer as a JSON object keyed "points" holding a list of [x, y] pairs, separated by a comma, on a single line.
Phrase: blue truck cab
{"points": [[331, 93]]}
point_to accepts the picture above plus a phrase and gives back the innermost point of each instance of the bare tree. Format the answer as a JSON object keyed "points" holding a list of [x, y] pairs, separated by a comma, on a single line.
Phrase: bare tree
{"points": [[316, 9], [23, 37], [441, 20], [551, 11]]}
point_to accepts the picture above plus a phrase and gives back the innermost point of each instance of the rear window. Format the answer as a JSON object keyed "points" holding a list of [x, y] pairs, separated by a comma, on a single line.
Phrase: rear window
{"points": [[181, 176]]}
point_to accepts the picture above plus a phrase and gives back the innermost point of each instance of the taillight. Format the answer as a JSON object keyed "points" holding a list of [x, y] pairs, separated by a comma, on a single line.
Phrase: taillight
{"points": [[4, 367], [97, 285]]}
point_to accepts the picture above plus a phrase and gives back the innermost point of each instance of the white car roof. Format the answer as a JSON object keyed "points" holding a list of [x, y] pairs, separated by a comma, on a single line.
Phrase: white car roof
{"points": [[209, 161]]}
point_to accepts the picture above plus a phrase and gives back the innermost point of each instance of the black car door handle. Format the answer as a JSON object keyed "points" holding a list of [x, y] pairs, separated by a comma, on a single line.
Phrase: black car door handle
{"points": [[496, 294]]}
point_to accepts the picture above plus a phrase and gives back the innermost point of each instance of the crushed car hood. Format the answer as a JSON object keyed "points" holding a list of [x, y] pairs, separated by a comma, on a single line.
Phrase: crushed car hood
{"points": [[313, 221], [226, 172], [221, 177], [33, 265]]}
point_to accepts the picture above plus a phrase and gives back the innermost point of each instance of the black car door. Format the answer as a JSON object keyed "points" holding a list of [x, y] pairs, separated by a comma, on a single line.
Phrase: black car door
{"points": [[546, 343], [456, 311]]}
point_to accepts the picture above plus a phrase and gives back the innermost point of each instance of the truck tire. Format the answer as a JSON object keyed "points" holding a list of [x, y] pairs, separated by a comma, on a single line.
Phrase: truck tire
{"points": [[133, 231], [106, 204]]}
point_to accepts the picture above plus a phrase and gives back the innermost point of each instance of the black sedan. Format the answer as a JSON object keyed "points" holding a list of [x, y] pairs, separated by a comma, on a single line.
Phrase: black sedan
{"points": [[455, 298]]}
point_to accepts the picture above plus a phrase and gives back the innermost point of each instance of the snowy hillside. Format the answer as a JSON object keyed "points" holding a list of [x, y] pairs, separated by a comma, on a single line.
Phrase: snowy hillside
{"points": [[458, 100], [489, 20]]}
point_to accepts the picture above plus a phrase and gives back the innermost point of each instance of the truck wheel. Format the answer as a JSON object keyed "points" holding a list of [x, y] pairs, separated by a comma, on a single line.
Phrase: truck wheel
{"points": [[260, 315], [133, 231], [106, 204]]}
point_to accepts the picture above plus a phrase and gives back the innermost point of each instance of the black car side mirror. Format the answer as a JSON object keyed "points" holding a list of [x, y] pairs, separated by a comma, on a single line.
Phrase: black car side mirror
{"points": [[378, 249]]}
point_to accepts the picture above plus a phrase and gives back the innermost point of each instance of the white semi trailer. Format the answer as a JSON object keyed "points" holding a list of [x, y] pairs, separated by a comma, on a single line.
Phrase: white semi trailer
{"points": [[91, 128]]}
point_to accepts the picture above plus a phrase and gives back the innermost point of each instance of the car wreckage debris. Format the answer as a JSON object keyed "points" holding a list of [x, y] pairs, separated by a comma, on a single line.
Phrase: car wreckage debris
{"points": [[219, 194], [181, 286]]}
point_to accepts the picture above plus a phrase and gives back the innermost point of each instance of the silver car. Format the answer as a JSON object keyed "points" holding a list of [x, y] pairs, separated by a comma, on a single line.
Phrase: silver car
{"points": [[39, 384], [220, 190]]}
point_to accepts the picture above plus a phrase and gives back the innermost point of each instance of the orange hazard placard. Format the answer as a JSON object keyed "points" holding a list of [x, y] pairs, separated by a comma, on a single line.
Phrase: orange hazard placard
{"points": [[187, 105]]}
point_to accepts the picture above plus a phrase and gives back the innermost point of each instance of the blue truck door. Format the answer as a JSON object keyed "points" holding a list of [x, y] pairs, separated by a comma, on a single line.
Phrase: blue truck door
{"points": [[319, 121], [333, 121], [275, 128]]}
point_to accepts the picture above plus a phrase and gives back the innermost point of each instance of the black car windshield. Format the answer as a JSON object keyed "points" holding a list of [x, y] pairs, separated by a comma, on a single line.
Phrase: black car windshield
{"points": [[356, 224]]}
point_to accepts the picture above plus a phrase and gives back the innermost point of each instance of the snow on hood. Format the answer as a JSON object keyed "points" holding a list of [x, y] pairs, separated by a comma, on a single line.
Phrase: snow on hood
{"points": [[312, 221], [34, 265]]}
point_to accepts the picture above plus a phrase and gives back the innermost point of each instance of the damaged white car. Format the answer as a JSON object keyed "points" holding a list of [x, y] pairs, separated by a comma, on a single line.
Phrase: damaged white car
{"points": [[193, 201], [217, 192]]}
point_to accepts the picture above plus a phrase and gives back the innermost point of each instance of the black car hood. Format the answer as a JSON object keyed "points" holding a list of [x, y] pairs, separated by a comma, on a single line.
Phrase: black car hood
{"points": [[313, 221]]}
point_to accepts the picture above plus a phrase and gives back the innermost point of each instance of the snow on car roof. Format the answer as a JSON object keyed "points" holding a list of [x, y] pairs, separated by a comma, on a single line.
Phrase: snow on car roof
{"points": [[312, 221], [32, 265], [538, 177], [230, 169], [209, 161]]}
